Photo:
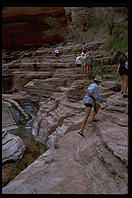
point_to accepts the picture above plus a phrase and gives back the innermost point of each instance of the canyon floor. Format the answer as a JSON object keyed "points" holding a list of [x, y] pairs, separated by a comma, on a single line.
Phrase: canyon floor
{"points": [[94, 164]]}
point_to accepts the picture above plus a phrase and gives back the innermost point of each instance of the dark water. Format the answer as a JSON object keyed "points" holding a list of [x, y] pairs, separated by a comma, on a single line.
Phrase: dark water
{"points": [[33, 148], [33, 151], [30, 108]]}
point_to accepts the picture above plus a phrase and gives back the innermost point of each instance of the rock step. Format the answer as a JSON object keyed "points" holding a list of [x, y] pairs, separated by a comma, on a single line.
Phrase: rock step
{"points": [[7, 119], [39, 66]]}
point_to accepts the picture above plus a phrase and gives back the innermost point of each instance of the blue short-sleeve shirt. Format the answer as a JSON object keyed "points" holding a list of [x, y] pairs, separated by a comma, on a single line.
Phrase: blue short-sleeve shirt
{"points": [[93, 90]]}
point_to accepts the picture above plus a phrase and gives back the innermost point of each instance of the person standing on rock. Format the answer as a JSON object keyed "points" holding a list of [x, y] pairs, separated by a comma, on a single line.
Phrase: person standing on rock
{"points": [[88, 63], [91, 100], [78, 62], [83, 62], [122, 70], [57, 53], [84, 47]]}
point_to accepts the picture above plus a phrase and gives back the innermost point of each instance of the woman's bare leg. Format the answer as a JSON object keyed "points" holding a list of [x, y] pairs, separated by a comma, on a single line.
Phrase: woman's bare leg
{"points": [[125, 83], [88, 69], [94, 113], [87, 112], [85, 69], [122, 83], [57, 58]]}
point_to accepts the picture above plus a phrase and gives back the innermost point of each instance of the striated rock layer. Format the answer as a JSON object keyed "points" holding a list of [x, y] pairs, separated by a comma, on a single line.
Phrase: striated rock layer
{"points": [[96, 164], [29, 26], [13, 147]]}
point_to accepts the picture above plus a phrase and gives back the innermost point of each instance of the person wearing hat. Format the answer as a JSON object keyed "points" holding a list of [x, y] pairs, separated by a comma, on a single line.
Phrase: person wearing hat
{"points": [[91, 100]]}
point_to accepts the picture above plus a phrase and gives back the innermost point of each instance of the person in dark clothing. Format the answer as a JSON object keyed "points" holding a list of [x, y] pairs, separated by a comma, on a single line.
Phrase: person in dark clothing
{"points": [[84, 47], [122, 70], [57, 53]]}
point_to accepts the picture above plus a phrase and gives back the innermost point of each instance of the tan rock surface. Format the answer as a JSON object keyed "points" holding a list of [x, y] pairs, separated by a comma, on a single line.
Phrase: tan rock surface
{"points": [[95, 164]]}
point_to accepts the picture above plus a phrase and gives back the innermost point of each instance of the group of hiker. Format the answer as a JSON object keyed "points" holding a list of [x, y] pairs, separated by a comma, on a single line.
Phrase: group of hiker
{"points": [[92, 97], [84, 60]]}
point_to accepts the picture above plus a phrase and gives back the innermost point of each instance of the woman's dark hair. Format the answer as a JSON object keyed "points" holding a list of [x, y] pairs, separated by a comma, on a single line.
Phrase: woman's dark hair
{"points": [[95, 81]]}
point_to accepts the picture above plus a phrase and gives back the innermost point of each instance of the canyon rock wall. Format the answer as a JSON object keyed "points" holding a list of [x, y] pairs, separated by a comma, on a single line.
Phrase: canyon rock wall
{"points": [[32, 26], [36, 26], [95, 164]]}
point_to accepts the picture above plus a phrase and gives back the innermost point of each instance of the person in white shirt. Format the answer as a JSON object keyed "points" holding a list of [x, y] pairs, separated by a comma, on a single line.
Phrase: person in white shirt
{"points": [[78, 62], [83, 62], [57, 53], [91, 100]]}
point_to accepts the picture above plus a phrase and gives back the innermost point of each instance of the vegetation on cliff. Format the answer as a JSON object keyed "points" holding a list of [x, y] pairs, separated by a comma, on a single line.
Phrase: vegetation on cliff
{"points": [[112, 21]]}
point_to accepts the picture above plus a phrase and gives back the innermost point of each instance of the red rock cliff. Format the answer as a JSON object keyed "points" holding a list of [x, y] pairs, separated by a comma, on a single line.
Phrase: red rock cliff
{"points": [[32, 26]]}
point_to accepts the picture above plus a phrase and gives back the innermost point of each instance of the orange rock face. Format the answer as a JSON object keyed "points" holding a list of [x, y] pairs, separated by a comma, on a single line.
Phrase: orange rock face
{"points": [[32, 26]]}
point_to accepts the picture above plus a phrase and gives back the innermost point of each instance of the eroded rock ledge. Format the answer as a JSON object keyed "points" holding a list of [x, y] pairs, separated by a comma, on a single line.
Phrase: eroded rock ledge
{"points": [[27, 26], [96, 164]]}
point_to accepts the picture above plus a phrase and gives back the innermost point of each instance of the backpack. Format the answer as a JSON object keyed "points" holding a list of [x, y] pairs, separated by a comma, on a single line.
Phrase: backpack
{"points": [[89, 59], [84, 47], [57, 51], [90, 92]]}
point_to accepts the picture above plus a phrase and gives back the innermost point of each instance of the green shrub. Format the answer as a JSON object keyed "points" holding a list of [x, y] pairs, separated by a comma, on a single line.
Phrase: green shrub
{"points": [[53, 25], [99, 68], [118, 42]]}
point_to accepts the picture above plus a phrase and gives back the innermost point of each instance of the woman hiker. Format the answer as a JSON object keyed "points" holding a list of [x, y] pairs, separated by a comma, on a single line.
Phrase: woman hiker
{"points": [[90, 100], [122, 70]]}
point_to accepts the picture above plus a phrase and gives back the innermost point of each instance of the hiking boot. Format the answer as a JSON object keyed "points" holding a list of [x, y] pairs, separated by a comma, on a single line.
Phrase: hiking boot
{"points": [[95, 120], [80, 133]]}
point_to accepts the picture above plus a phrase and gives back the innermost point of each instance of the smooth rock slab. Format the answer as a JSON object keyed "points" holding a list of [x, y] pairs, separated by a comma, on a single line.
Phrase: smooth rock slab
{"points": [[12, 147], [71, 168]]}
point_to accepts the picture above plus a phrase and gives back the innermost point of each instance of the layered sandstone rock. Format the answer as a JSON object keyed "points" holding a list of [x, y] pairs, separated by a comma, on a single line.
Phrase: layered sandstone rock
{"points": [[71, 159], [13, 147], [96, 164], [27, 26], [35, 26]]}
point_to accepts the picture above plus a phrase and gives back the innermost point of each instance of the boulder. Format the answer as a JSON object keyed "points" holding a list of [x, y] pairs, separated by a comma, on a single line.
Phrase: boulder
{"points": [[12, 147]]}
